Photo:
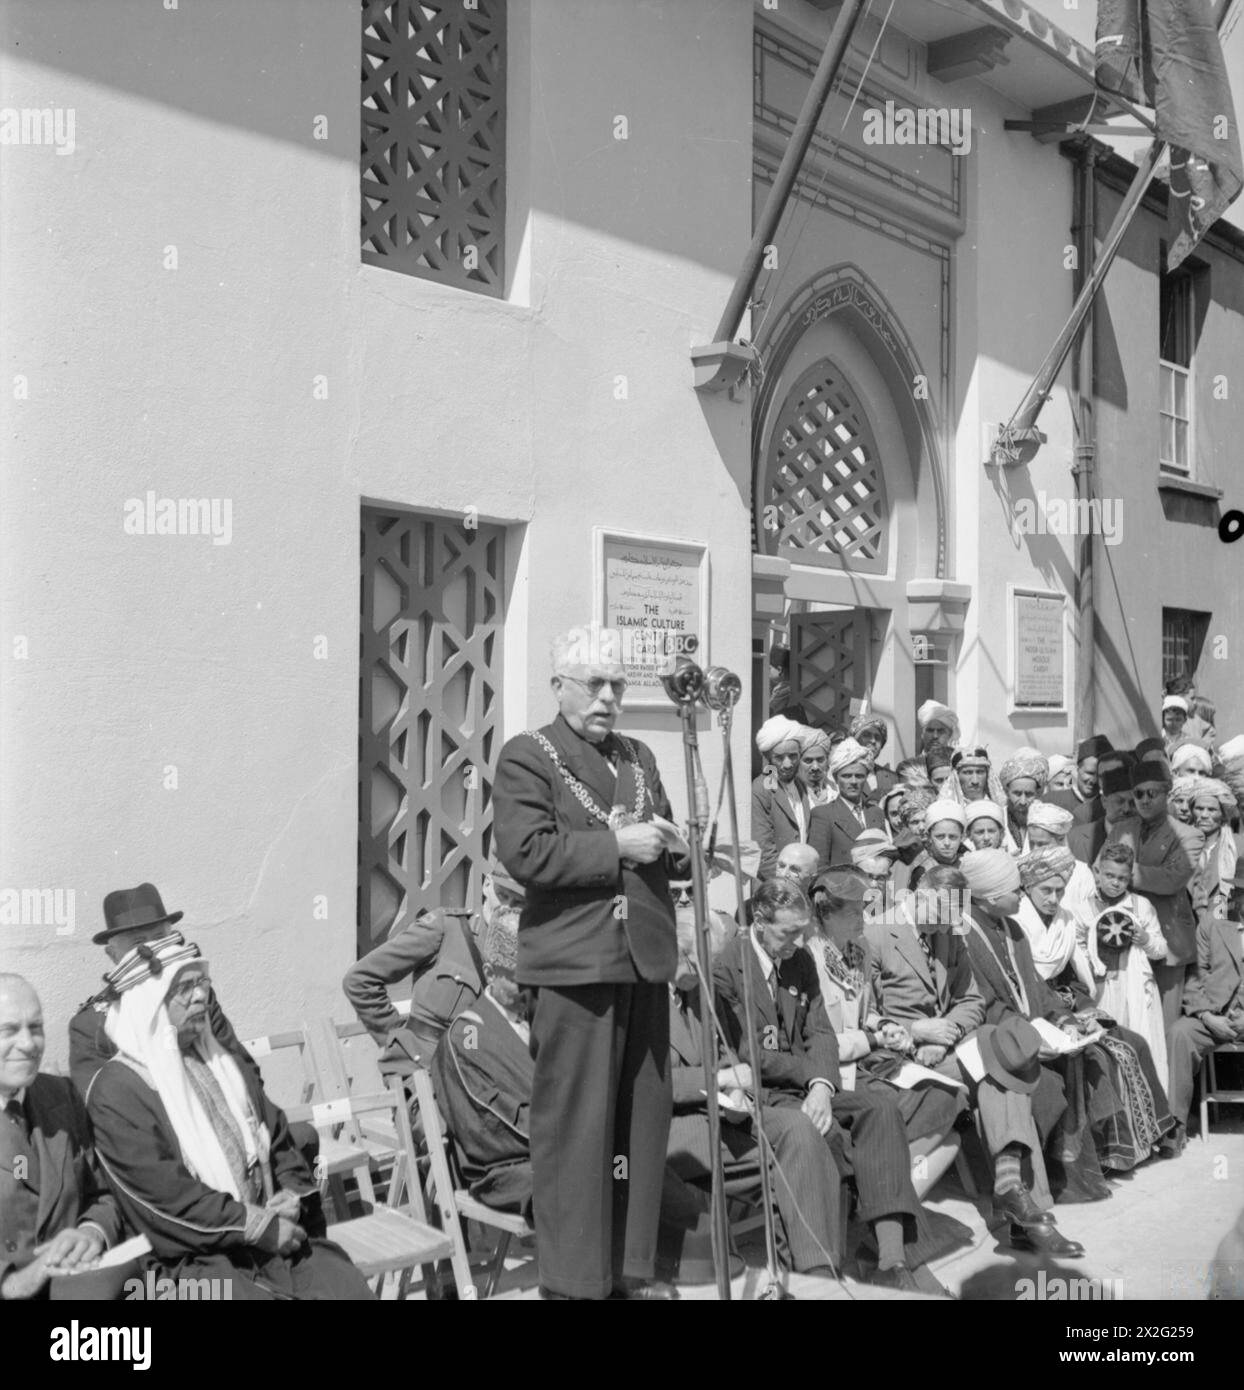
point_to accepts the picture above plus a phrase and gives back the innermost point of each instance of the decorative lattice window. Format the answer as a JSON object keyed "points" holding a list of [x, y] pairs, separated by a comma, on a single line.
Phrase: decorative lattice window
{"points": [[429, 713], [824, 494], [433, 140]]}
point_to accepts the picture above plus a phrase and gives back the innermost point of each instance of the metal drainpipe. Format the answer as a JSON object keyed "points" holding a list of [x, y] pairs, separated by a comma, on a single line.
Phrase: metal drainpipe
{"points": [[1084, 470]]}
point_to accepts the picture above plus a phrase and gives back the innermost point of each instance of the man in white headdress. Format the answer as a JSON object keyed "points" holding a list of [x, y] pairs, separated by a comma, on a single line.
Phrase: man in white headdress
{"points": [[939, 726], [835, 827], [200, 1160], [780, 807]]}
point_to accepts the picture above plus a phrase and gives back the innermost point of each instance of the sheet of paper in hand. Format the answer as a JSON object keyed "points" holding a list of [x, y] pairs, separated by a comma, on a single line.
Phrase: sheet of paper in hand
{"points": [[673, 837], [105, 1280], [1057, 1043], [969, 1055], [912, 1074]]}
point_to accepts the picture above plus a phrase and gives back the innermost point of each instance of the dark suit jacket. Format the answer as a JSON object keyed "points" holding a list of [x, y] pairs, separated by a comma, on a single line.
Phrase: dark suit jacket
{"points": [[68, 1190], [906, 988], [90, 1046], [139, 1155], [437, 951], [886, 779], [1082, 811], [833, 830], [588, 918], [1085, 840], [483, 1073], [773, 822], [992, 982], [811, 1049], [1212, 984], [1165, 865]]}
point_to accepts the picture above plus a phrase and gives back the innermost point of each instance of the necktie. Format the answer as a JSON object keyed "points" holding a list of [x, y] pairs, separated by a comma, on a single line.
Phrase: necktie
{"points": [[15, 1114], [926, 945]]}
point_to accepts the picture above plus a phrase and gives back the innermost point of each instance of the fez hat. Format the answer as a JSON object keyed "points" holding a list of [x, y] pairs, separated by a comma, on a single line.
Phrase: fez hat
{"points": [[1151, 766], [1011, 1053], [1115, 775], [1093, 747], [1149, 745], [129, 908]]}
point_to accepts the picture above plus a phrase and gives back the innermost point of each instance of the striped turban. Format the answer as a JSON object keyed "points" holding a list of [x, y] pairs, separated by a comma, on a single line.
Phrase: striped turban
{"points": [[846, 753], [869, 723], [1051, 862], [1046, 816], [1027, 762]]}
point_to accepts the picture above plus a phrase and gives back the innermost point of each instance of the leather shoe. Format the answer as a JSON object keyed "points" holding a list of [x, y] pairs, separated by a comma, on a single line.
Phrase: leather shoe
{"points": [[1017, 1206], [1173, 1144], [1045, 1239]]}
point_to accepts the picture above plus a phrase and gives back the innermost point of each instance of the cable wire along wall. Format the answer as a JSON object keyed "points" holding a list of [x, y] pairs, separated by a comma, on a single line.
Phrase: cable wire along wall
{"points": [[433, 140], [430, 664]]}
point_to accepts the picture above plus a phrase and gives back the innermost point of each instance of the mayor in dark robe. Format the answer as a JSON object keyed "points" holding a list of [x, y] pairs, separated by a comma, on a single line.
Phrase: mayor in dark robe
{"points": [[56, 1217], [200, 1160], [573, 804]]}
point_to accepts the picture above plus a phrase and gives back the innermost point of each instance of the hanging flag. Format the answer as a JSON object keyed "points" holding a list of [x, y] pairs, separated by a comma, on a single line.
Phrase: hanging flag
{"points": [[1166, 54]]}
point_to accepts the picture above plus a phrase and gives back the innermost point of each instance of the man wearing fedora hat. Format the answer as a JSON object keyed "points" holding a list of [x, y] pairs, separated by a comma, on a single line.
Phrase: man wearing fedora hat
{"points": [[1213, 1007], [133, 917], [439, 954], [1168, 854]]}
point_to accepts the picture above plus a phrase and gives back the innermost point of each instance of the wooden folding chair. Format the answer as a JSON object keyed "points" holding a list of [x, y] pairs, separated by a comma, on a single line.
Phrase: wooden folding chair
{"points": [[454, 1203], [1211, 1092], [395, 1237], [273, 1043]]}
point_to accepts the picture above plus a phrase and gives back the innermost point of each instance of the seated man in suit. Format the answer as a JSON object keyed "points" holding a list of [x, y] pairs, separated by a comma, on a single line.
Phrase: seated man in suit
{"points": [[807, 1199], [924, 981], [200, 1160], [1213, 1007], [438, 952], [1168, 854], [797, 1056], [834, 827], [55, 1216]]}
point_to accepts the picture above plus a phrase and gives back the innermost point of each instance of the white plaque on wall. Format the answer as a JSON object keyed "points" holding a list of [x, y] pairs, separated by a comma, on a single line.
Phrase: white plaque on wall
{"points": [[1038, 649]]}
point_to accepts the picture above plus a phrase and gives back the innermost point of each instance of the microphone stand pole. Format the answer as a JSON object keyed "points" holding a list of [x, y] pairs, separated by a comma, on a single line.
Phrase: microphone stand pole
{"points": [[697, 799], [777, 1288]]}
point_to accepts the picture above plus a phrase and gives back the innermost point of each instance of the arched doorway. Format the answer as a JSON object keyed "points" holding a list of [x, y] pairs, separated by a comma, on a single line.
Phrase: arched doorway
{"points": [[850, 515]]}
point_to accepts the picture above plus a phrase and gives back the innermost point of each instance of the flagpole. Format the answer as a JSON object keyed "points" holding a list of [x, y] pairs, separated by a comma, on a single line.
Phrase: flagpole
{"points": [[1021, 428], [792, 158]]}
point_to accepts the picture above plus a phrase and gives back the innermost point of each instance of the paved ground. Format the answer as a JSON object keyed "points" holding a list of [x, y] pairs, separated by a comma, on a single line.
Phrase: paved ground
{"points": [[1151, 1240]]}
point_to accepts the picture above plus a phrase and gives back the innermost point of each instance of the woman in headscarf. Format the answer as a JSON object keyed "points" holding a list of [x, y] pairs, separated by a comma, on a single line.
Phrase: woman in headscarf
{"points": [[199, 1158], [870, 733], [833, 827], [1023, 779], [815, 746], [939, 726], [780, 808]]}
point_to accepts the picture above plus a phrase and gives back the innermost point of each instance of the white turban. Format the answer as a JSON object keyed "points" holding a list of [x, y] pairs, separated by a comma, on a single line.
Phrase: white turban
{"points": [[990, 810], [812, 738], [1059, 762], [944, 810], [1175, 702], [1233, 748], [933, 712], [1049, 817], [990, 872], [1191, 757], [776, 731], [846, 753]]}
